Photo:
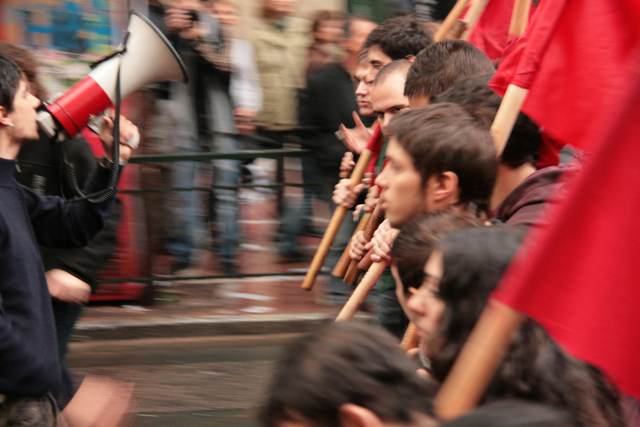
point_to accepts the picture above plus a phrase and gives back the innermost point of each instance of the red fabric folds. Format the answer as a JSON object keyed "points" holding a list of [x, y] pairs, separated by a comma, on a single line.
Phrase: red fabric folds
{"points": [[571, 59], [580, 276]]}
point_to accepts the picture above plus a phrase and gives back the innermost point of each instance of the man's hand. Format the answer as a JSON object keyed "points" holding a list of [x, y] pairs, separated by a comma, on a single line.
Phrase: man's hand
{"points": [[67, 288], [373, 196], [128, 132], [344, 195], [347, 164], [358, 243], [381, 243], [244, 120], [355, 139], [181, 22]]}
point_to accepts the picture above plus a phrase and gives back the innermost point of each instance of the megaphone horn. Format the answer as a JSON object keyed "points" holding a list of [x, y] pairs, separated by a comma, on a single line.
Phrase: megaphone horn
{"points": [[147, 57]]}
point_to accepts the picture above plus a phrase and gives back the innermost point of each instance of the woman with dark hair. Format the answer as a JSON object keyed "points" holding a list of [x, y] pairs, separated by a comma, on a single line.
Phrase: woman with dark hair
{"points": [[415, 242], [459, 276]]}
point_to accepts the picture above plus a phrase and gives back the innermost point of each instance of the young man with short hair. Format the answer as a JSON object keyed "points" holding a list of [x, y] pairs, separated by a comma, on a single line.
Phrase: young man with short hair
{"points": [[521, 194], [440, 66], [30, 375]]}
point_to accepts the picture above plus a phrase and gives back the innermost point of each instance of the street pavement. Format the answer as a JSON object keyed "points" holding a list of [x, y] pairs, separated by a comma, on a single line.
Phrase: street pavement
{"points": [[203, 352]]}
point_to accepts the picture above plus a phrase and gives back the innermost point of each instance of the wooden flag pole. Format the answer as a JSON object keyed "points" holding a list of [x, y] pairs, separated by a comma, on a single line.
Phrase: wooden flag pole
{"points": [[364, 287], [377, 216], [410, 338], [450, 20], [345, 260], [361, 291], [478, 361], [334, 224], [473, 15], [507, 115], [519, 17]]}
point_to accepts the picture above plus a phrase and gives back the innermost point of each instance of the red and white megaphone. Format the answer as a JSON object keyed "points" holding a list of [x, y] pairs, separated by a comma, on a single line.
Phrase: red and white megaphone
{"points": [[148, 57]]}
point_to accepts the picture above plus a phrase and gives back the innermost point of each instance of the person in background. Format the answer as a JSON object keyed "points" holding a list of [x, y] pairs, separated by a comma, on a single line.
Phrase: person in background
{"points": [[281, 42], [202, 112], [327, 30], [245, 87]]}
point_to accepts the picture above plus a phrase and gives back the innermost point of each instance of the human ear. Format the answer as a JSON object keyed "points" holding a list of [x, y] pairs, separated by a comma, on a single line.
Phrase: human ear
{"points": [[444, 188], [351, 415], [4, 118]]}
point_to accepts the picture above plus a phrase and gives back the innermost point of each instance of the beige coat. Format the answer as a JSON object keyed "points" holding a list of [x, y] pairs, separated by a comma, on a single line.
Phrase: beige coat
{"points": [[281, 56]]}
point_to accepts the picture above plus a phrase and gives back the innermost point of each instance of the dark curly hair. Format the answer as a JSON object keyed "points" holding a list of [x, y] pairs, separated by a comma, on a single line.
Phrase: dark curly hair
{"points": [[473, 94], [400, 37], [417, 238], [534, 368], [346, 362]]}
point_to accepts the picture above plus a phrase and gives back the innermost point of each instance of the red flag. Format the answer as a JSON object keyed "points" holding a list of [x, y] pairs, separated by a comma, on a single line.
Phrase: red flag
{"points": [[580, 276], [572, 56], [491, 32]]}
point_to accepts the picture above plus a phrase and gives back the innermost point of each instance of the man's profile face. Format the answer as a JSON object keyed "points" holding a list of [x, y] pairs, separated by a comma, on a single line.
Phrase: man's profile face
{"points": [[403, 193], [359, 30], [377, 59], [23, 116], [387, 99], [363, 89]]}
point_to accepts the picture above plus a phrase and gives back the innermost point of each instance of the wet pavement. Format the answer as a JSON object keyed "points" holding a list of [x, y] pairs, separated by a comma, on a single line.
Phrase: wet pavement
{"points": [[217, 304], [188, 382]]}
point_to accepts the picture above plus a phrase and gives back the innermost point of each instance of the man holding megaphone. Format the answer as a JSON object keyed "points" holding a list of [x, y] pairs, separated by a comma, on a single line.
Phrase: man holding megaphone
{"points": [[29, 363]]}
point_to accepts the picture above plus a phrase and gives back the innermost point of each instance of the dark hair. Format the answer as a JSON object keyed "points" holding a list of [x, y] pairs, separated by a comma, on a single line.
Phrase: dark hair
{"points": [[480, 101], [324, 16], [27, 64], [398, 66], [444, 137], [443, 64], [515, 413], [351, 18], [534, 368], [400, 37], [10, 77], [417, 238], [346, 362]]}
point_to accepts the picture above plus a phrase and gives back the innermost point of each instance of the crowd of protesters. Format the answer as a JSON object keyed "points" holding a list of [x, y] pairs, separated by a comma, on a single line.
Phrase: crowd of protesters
{"points": [[455, 215]]}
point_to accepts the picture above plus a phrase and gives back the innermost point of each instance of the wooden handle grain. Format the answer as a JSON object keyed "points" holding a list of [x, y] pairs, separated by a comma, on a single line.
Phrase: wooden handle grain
{"points": [[345, 260], [334, 224], [478, 361], [377, 216], [361, 291], [519, 17], [410, 338], [473, 16], [507, 115], [450, 20]]}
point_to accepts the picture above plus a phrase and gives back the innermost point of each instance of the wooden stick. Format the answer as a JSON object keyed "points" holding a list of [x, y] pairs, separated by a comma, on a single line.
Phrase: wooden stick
{"points": [[473, 15], [364, 287], [410, 338], [365, 262], [361, 291], [343, 263], [507, 115], [450, 20], [334, 224], [377, 216], [519, 17], [478, 361]]}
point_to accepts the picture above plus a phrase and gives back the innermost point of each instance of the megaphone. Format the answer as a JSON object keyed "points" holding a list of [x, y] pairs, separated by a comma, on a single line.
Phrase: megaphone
{"points": [[145, 57]]}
